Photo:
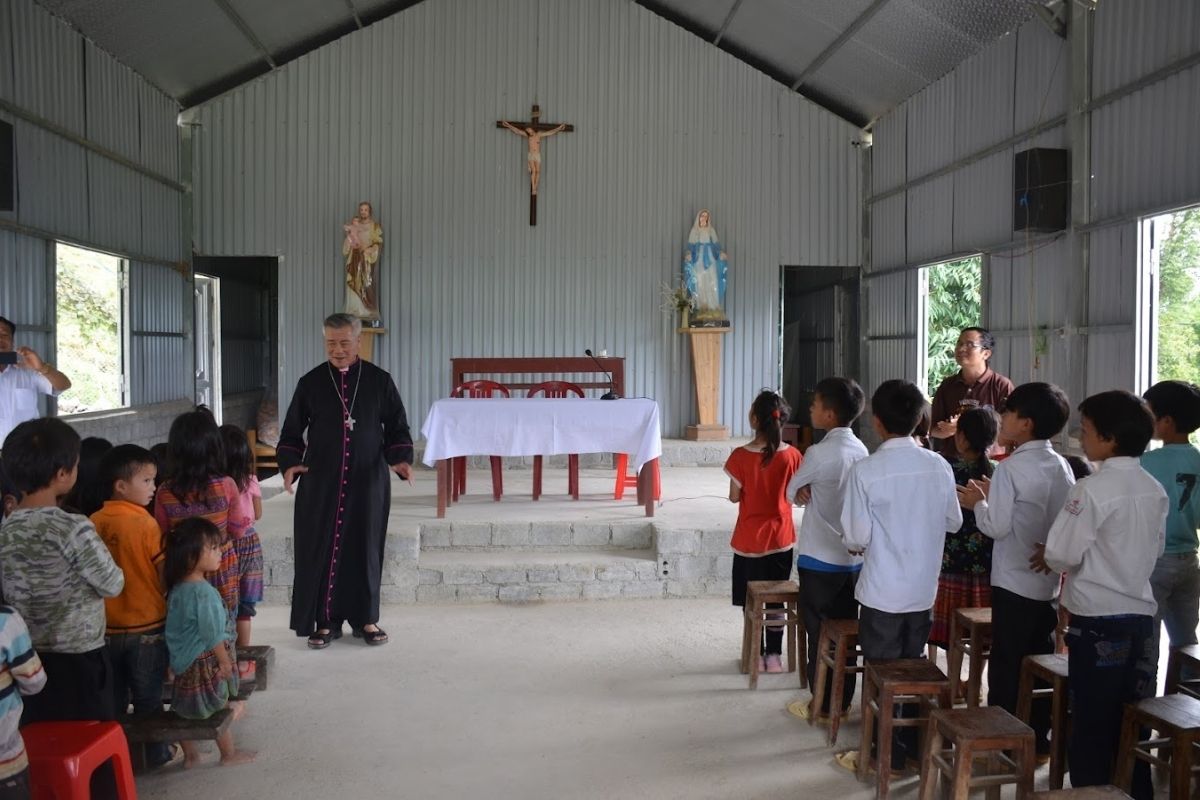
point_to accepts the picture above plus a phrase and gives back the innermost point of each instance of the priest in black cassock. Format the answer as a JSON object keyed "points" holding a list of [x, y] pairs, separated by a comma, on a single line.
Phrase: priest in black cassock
{"points": [[357, 431]]}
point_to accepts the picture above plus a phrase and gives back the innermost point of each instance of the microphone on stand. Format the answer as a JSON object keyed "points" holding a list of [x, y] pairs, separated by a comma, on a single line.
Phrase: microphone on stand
{"points": [[610, 395]]}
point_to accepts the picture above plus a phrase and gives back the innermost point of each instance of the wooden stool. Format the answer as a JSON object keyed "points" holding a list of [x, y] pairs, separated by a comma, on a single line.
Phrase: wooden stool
{"points": [[1083, 793], [758, 594], [1176, 717], [63, 756], [971, 636], [988, 731], [838, 641], [1051, 669], [887, 683], [1188, 655]]}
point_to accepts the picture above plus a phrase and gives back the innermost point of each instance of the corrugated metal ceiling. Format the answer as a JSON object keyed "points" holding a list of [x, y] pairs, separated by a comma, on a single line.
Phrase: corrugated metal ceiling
{"points": [[858, 58]]}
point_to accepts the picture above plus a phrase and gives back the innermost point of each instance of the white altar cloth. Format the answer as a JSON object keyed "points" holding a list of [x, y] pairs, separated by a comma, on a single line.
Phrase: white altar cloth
{"points": [[531, 426]]}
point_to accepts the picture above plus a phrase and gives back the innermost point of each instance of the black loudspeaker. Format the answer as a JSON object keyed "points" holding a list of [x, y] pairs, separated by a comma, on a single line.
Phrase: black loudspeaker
{"points": [[1042, 190], [8, 172]]}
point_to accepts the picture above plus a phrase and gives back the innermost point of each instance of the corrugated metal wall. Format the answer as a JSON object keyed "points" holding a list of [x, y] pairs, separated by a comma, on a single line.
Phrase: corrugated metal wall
{"points": [[403, 114], [66, 189], [1035, 296]]}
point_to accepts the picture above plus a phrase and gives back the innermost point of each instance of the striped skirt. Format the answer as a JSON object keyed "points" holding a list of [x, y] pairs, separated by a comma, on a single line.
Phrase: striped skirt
{"points": [[957, 591], [200, 691]]}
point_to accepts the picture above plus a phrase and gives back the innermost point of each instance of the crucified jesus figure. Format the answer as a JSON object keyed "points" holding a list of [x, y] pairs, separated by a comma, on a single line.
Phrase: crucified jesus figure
{"points": [[534, 156]]}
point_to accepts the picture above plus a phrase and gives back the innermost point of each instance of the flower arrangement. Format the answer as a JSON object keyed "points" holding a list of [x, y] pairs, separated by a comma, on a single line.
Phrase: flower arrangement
{"points": [[677, 300]]}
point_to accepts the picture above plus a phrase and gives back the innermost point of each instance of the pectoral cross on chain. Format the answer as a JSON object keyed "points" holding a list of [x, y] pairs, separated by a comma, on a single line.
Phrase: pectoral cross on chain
{"points": [[534, 131], [350, 423]]}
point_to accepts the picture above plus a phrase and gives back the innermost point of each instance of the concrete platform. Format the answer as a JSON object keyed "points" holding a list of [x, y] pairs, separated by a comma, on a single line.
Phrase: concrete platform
{"points": [[683, 551]]}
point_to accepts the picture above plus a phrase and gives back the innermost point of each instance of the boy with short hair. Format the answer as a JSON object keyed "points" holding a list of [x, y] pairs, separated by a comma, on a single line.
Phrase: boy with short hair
{"points": [[21, 673], [137, 616], [56, 572], [1107, 540], [900, 501], [1176, 465], [1016, 509], [827, 571]]}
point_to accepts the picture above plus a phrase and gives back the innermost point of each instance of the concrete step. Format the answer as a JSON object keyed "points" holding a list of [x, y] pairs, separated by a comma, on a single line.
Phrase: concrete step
{"points": [[480, 576], [533, 536]]}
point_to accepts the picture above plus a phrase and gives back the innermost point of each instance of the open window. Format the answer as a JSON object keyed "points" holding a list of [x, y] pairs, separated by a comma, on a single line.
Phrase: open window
{"points": [[951, 294], [92, 328]]}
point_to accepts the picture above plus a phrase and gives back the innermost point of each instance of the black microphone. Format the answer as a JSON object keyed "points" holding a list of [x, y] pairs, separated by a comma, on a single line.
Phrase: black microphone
{"points": [[607, 395]]}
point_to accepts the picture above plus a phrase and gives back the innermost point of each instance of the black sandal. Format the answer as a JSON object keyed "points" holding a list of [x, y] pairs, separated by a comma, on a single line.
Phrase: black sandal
{"points": [[319, 640], [375, 637]]}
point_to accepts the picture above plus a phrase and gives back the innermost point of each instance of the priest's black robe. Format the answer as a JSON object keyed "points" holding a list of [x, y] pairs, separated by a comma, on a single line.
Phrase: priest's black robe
{"points": [[342, 502]]}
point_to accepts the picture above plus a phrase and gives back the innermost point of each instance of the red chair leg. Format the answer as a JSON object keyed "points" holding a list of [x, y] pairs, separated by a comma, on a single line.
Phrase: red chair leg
{"points": [[622, 463], [573, 476], [497, 478], [537, 477]]}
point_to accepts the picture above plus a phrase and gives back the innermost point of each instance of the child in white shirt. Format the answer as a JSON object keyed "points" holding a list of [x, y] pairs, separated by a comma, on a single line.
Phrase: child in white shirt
{"points": [[900, 501], [1016, 509], [1107, 539], [826, 570]]}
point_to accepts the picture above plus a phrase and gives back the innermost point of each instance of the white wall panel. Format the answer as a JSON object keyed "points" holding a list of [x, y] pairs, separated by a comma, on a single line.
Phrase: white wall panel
{"points": [[889, 152], [983, 202], [1042, 69], [931, 122], [1134, 39], [47, 66], [889, 232], [931, 220], [983, 104], [665, 125]]}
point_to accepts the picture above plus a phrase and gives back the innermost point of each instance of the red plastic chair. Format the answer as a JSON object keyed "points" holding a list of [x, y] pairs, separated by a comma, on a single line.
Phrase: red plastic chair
{"points": [[63, 756], [626, 479], [458, 470], [557, 389]]}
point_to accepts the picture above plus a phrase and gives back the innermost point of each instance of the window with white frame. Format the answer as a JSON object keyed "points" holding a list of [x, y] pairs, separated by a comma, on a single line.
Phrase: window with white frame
{"points": [[91, 328]]}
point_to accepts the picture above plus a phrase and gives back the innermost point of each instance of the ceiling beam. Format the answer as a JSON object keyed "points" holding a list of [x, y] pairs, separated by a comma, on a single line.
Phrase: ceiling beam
{"points": [[246, 30], [846, 36], [354, 13], [728, 19]]}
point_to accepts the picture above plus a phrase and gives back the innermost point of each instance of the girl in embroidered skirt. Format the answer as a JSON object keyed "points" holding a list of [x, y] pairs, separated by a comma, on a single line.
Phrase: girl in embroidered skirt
{"points": [[765, 533], [239, 466], [200, 635], [198, 487], [965, 581]]}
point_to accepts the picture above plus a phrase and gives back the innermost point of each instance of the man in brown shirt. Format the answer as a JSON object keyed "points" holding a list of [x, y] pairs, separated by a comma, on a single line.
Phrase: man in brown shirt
{"points": [[974, 381]]}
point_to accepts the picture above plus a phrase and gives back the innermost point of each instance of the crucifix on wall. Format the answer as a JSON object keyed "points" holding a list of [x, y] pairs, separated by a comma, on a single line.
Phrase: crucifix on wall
{"points": [[534, 131]]}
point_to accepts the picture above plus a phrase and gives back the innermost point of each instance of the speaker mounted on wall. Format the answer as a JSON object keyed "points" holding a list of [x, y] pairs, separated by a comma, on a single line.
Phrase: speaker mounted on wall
{"points": [[1042, 190], [8, 169]]}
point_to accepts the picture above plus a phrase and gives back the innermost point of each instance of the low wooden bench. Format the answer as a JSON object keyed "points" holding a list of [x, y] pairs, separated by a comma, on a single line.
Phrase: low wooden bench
{"points": [[263, 656]]}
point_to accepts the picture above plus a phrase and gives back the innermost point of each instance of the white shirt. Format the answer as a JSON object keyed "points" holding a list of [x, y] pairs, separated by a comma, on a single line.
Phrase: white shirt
{"points": [[900, 502], [1028, 490], [19, 390], [825, 470], [1107, 539]]}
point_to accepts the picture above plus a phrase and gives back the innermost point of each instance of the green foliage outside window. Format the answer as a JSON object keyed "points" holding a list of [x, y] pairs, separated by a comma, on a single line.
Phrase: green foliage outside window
{"points": [[954, 303], [1179, 299], [89, 329]]}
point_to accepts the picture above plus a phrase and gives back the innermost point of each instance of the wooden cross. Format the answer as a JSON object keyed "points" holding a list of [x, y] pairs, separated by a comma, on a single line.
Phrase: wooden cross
{"points": [[534, 131]]}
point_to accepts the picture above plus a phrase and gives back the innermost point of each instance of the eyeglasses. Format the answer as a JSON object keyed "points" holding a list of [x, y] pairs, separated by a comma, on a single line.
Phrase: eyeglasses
{"points": [[969, 346]]}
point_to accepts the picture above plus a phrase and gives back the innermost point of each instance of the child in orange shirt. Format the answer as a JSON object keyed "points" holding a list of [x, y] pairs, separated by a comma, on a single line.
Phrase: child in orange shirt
{"points": [[764, 534], [137, 616]]}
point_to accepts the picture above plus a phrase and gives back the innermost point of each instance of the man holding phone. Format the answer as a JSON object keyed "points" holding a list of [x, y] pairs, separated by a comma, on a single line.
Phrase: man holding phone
{"points": [[23, 376]]}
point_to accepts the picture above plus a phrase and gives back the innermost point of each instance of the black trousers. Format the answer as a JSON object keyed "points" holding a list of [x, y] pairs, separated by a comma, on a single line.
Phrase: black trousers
{"points": [[1020, 627], [79, 687], [773, 567], [16, 787], [883, 635], [827, 595], [1112, 662]]}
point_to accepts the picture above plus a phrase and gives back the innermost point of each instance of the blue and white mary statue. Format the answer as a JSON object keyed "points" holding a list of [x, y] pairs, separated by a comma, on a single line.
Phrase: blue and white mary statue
{"points": [[705, 267]]}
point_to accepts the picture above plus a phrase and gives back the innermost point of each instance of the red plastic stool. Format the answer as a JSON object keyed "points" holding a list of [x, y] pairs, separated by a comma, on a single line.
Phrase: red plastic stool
{"points": [[63, 756], [626, 479]]}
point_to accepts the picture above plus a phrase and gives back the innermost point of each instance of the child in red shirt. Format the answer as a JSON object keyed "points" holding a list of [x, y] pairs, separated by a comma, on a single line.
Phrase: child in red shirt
{"points": [[764, 534]]}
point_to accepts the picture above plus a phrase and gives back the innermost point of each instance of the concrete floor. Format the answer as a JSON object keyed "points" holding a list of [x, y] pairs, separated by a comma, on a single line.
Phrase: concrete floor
{"points": [[618, 699]]}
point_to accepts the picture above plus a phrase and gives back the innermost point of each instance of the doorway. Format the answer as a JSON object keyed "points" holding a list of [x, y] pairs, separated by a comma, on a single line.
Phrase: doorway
{"points": [[951, 299], [208, 344], [819, 331]]}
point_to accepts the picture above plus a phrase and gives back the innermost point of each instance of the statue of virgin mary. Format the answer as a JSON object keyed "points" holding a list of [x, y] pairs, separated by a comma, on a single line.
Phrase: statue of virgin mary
{"points": [[705, 268]]}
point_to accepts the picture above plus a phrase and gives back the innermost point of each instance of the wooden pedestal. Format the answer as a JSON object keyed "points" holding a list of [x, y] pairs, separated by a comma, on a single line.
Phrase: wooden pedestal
{"points": [[706, 367], [366, 344]]}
